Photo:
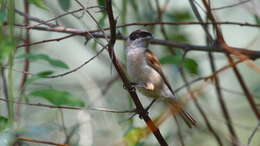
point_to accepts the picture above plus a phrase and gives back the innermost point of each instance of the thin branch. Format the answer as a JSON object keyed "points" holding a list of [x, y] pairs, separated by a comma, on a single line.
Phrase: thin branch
{"points": [[70, 107], [198, 106], [5, 87], [245, 89], [187, 47], [67, 13], [45, 41], [230, 6], [39, 141], [250, 138], [93, 18], [223, 106], [109, 84], [77, 68]]}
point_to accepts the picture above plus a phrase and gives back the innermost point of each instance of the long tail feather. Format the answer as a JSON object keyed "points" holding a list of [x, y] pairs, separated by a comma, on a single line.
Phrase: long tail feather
{"points": [[176, 108]]}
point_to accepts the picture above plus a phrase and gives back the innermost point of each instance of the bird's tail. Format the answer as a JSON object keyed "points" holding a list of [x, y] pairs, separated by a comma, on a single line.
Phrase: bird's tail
{"points": [[176, 108]]}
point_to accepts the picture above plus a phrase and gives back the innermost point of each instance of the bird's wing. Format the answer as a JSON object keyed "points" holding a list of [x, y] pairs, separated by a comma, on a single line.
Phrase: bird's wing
{"points": [[153, 61]]}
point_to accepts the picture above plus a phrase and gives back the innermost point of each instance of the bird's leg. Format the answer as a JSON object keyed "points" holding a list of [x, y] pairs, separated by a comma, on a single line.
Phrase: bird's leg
{"points": [[148, 85]]}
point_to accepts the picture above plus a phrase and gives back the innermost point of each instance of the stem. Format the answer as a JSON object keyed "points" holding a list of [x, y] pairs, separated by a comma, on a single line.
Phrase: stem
{"points": [[11, 18]]}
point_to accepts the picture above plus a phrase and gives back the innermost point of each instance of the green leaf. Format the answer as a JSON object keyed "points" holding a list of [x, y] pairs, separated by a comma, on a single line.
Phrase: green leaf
{"points": [[257, 19], [179, 36], [101, 3], [53, 62], [2, 16], [38, 76], [39, 3], [58, 98], [134, 136], [179, 16], [171, 60], [3, 123], [189, 64], [65, 4]]}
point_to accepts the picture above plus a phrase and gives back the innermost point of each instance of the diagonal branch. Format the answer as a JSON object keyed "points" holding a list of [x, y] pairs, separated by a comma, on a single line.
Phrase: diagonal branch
{"points": [[140, 109]]}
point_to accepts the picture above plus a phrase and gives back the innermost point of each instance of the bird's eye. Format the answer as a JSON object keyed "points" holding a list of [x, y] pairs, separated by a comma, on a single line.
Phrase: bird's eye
{"points": [[133, 36]]}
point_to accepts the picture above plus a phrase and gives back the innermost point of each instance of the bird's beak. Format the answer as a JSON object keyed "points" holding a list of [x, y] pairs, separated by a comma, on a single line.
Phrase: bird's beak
{"points": [[149, 38]]}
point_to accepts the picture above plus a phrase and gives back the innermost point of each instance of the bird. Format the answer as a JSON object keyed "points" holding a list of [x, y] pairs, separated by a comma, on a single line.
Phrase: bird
{"points": [[146, 74]]}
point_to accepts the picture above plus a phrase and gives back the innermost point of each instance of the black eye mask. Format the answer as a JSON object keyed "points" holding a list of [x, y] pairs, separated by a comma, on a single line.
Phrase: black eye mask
{"points": [[137, 34]]}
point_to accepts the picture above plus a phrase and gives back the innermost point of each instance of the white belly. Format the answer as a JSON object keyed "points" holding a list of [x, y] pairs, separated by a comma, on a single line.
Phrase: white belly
{"points": [[140, 72]]}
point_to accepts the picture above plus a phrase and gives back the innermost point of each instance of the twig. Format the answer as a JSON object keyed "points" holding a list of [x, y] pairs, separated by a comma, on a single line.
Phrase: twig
{"points": [[245, 88], [65, 14], [77, 68], [26, 60], [93, 18], [5, 88], [179, 132], [27, 16], [70, 107], [223, 106], [198, 106], [109, 84], [250, 138], [39, 141], [230, 6]]}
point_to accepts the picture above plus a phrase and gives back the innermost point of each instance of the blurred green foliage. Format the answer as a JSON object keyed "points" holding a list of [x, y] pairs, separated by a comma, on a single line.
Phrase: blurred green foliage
{"points": [[189, 64], [65, 4], [43, 57], [3, 123], [39, 3], [57, 97]]}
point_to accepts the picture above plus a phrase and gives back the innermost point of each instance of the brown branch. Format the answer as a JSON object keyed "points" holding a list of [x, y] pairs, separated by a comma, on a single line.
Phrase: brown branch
{"points": [[45, 41], [187, 47], [26, 60], [39, 141], [220, 39], [140, 109], [27, 47], [198, 106], [245, 89]]}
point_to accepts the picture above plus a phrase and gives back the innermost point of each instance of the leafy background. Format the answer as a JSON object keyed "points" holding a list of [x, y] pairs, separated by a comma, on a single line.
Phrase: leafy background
{"points": [[89, 88]]}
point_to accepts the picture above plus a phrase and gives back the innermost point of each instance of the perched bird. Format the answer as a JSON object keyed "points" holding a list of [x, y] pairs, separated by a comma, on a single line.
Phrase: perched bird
{"points": [[145, 72]]}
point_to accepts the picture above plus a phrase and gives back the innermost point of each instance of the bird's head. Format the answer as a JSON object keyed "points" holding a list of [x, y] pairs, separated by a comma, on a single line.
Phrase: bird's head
{"points": [[139, 36]]}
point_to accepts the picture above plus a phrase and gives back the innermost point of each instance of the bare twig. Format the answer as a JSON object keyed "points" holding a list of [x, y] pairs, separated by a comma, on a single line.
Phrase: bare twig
{"points": [[27, 47], [245, 88], [109, 84], [39, 141], [230, 6], [198, 106], [77, 68], [65, 14], [223, 106], [70, 107], [250, 138]]}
